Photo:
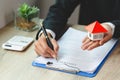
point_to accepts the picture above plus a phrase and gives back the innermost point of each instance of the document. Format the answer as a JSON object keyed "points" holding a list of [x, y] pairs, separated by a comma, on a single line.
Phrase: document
{"points": [[72, 57]]}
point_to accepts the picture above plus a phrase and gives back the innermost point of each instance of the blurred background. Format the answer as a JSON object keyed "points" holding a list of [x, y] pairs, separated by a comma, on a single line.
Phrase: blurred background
{"points": [[7, 8]]}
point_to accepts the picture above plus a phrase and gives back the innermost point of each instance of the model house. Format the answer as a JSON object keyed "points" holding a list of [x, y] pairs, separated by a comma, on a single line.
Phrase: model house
{"points": [[95, 31]]}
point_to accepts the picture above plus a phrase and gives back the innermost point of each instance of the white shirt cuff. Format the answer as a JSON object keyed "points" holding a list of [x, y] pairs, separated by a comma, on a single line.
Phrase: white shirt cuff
{"points": [[111, 25], [49, 31]]}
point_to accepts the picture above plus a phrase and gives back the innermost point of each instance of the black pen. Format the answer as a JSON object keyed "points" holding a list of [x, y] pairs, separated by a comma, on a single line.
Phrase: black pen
{"points": [[47, 38]]}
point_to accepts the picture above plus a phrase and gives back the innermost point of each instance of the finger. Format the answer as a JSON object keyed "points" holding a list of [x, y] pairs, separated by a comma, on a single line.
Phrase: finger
{"points": [[105, 39], [85, 46], [44, 55], [40, 51], [84, 39], [40, 48], [47, 48], [52, 53], [93, 45], [37, 48]]}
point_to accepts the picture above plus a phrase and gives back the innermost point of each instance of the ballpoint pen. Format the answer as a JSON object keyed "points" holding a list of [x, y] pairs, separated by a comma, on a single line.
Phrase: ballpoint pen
{"points": [[47, 38]]}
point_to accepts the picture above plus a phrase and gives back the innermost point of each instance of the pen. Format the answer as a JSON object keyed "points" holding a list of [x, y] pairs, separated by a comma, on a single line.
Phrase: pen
{"points": [[47, 39]]}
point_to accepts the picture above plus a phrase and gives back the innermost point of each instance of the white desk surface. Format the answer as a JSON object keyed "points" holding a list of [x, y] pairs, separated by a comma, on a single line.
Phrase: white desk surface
{"points": [[17, 65]]}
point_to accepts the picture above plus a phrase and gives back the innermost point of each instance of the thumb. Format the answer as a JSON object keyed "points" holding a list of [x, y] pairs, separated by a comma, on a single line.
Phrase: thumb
{"points": [[105, 39]]}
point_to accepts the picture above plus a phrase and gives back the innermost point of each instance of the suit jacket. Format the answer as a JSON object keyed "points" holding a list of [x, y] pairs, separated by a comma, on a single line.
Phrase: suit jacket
{"points": [[90, 11]]}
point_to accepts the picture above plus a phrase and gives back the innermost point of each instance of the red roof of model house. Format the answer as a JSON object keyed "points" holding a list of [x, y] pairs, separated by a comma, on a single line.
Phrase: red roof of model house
{"points": [[95, 27]]}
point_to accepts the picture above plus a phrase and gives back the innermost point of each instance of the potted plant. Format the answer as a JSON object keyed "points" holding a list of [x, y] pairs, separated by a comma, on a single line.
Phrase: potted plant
{"points": [[25, 15]]}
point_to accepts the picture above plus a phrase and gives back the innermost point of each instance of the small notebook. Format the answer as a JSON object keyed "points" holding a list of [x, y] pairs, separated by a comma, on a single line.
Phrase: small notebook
{"points": [[72, 59]]}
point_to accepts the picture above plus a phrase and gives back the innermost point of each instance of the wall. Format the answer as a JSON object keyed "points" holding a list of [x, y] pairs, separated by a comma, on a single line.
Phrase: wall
{"points": [[45, 4], [7, 8]]}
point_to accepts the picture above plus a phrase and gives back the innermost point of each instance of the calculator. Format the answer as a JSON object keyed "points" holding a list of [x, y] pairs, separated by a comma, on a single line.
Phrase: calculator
{"points": [[17, 43]]}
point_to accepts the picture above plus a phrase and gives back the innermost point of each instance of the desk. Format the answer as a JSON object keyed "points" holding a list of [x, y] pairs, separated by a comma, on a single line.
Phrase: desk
{"points": [[17, 65]]}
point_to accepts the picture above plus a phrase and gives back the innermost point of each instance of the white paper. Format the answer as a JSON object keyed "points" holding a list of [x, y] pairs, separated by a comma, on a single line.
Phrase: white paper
{"points": [[70, 52]]}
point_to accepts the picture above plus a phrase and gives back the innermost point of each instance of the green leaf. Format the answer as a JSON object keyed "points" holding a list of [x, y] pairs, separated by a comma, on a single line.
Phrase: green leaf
{"points": [[27, 11]]}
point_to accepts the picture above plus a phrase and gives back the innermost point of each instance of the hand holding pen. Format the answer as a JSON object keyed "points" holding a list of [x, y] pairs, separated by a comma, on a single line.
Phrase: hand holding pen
{"points": [[46, 46]]}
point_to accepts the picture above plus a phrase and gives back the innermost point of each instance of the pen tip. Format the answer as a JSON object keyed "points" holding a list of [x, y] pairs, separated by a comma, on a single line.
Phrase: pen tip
{"points": [[55, 57]]}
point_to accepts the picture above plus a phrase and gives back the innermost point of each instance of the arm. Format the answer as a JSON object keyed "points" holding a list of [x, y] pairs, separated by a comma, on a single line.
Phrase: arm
{"points": [[117, 28], [58, 15], [56, 21]]}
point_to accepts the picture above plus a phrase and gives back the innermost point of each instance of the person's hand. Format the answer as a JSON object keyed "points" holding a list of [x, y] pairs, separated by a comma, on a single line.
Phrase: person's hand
{"points": [[41, 47], [88, 44]]}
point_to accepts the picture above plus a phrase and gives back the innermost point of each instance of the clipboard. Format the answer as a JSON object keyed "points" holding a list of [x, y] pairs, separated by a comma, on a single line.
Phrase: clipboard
{"points": [[80, 73]]}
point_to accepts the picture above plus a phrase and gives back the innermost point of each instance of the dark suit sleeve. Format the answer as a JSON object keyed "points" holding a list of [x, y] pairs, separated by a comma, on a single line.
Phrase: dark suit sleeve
{"points": [[117, 28], [58, 15]]}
